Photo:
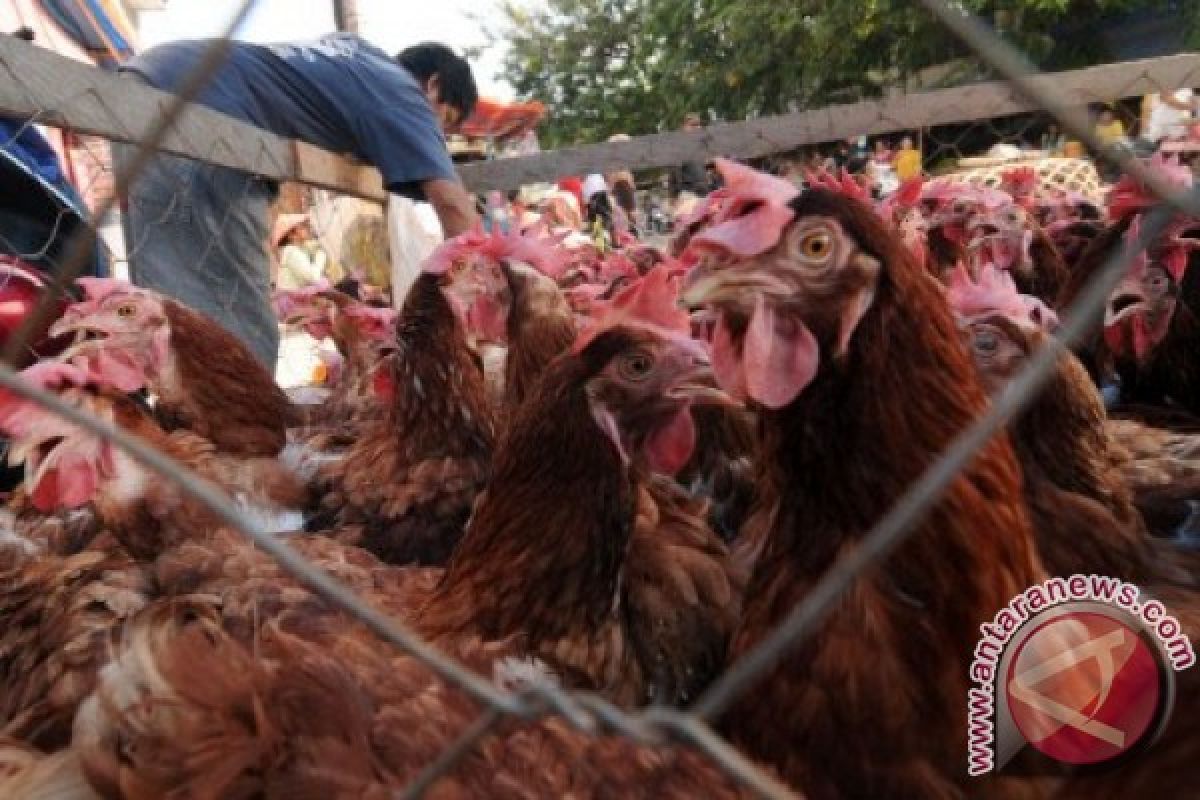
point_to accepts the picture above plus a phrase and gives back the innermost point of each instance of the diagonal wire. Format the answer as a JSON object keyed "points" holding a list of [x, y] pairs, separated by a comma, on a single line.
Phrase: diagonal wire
{"points": [[79, 249], [900, 520], [1014, 67], [455, 752], [316, 579]]}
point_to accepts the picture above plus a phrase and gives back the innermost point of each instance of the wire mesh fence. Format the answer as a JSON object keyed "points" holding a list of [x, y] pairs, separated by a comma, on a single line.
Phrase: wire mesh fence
{"points": [[1058, 139]]}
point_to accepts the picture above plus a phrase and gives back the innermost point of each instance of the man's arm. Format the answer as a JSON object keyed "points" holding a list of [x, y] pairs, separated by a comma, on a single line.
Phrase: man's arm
{"points": [[455, 208]]}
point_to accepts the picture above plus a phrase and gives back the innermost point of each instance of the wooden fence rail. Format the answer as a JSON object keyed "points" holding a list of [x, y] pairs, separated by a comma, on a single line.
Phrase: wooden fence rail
{"points": [[57, 91]]}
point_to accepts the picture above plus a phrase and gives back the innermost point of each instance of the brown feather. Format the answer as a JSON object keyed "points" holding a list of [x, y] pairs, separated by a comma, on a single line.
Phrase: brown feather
{"points": [[895, 649], [219, 390]]}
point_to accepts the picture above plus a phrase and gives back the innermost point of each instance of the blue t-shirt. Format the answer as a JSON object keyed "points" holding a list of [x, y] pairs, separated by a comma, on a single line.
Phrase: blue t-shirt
{"points": [[338, 92]]}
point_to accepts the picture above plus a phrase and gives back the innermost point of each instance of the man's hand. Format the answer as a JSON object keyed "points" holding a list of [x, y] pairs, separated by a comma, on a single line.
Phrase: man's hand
{"points": [[455, 208]]}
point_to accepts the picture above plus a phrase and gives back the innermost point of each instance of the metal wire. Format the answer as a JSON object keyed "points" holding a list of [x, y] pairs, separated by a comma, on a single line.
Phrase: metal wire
{"points": [[80, 247], [303, 570], [587, 712], [899, 522], [1019, 72]]}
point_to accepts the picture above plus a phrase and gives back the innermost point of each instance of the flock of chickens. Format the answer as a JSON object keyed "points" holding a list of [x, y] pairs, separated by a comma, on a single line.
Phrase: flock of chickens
{"points": [[615, 472]]}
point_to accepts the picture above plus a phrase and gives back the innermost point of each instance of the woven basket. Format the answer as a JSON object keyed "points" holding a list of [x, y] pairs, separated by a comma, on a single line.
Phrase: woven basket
{"points": [[1069, 174]]}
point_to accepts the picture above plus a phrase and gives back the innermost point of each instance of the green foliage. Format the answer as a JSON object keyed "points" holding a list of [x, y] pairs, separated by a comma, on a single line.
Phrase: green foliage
{"points": [[636, 66]]}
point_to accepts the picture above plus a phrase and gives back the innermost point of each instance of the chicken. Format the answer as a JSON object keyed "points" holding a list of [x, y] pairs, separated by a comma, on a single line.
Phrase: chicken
{"points": [[186, 710], [405, 488], [539, 327], [852, 356], [1083, 511], [363, 335], [202, 378], [1152, 323], [1152, 320], [299, 702], [59, 615], [622, 589], [63, 611]]}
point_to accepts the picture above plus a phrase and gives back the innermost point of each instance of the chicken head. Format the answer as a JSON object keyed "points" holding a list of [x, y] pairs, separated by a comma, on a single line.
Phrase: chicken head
{"points": [[64, 464], [646, 373], [119, 334], [800, 289], [1139, 310]]}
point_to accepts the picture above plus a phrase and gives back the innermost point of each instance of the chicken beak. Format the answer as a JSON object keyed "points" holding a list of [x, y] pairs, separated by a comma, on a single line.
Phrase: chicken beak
{"points": [[63, 325], [704, 395], [699, 386], [1127, 299]]}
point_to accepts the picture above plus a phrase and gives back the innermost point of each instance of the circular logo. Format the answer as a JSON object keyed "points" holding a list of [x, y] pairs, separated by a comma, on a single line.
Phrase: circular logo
{"points": [[1084, 688]]}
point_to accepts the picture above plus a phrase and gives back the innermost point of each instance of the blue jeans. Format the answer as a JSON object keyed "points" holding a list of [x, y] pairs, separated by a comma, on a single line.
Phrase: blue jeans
{"points": [[198, 233]]}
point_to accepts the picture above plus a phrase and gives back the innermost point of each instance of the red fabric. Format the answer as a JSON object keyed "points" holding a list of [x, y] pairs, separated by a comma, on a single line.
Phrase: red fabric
{"points": [[502, 120], [574, 186]]}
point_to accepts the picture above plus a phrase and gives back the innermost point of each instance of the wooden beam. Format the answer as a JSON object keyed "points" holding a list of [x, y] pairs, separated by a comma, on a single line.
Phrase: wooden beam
{"points": [[50, 89], [761, 137]]}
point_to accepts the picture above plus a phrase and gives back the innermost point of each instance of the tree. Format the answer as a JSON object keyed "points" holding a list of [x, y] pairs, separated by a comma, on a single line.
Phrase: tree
{"points": [[636, 66]]}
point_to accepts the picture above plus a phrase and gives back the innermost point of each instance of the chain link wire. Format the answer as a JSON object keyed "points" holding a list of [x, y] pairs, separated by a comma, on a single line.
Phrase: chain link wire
{"points": [[102, 176]]}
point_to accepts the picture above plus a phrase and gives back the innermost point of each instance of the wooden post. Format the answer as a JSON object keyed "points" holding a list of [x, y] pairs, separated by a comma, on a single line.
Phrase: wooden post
{"points": [[345, 15]]}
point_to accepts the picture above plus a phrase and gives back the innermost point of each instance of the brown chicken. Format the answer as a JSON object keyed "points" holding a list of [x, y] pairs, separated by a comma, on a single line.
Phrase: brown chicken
{"points": [[624, 590], [335, 716], [854, 359], [405, 488], [540, 326], [1151, 325], [363, 334], [1082, 510], [63, 610], [185, 709], [201, 377]]}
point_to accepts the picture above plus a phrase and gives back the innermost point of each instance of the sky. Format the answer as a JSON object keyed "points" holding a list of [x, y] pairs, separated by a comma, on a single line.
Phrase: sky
{"points": [[389, 24]]}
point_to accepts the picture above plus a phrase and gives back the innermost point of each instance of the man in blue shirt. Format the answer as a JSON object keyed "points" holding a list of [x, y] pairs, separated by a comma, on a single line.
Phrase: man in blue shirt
{"points": [[199, 232]]}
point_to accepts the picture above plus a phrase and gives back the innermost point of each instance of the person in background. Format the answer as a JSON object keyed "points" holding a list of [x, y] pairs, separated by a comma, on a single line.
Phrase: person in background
{"points": [[1166, 115], [573, 185], [624, 195], [1053, 141], [599, 212], [879, 170], [302, 260], [690, 176], [1111, 133], [907, 162], [197, 232], [1109, 130], [856, 164], [880, 153], [841, 155]]}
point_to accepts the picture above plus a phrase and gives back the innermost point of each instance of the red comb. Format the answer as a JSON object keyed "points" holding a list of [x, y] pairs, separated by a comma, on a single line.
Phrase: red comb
{"points": [[96, 289], [1128, 196], [649, 302], [753, 214], [843, 183], [15, 415], [993, 293], [285, 301], [544, 254], [905, 197], [1020, 181]]}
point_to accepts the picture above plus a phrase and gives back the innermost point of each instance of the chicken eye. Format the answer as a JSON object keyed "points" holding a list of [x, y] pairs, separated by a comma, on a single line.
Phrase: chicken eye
{"points": [[126, 310], [1157, 281], [986, 342], [636, 366], [816, 246]]}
